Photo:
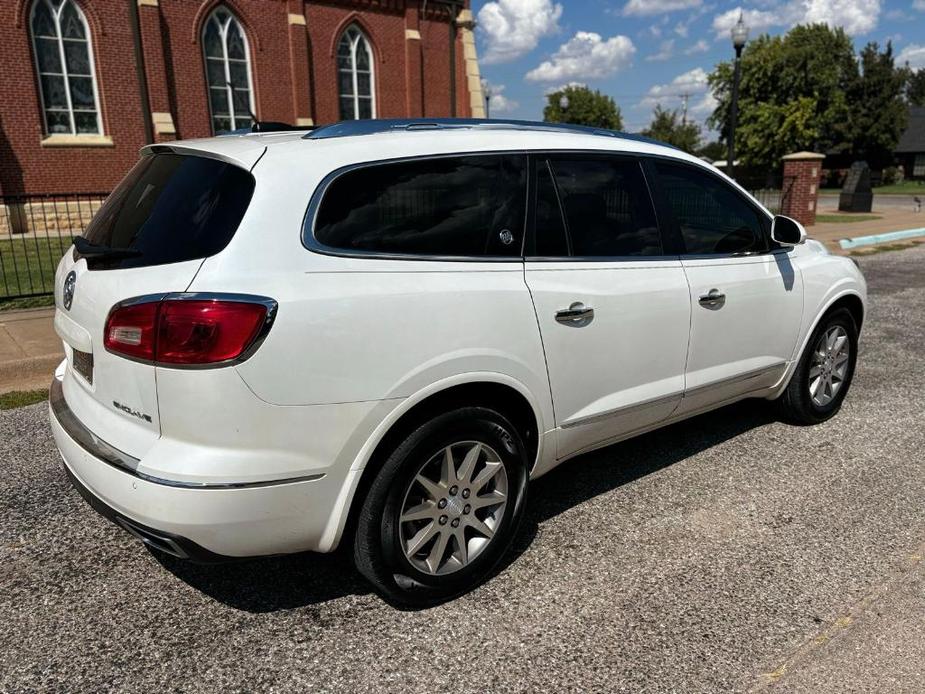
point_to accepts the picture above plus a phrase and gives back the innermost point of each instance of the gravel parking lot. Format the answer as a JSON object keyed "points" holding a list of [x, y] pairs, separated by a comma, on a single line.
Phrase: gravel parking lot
{"points": [[730, 552]]}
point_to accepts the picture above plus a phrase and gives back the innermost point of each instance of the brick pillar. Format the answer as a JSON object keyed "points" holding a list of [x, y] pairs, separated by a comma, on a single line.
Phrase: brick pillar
{"points": [[476, 99], [299, 65], [152, 43], [414, 66], [802, 171]]}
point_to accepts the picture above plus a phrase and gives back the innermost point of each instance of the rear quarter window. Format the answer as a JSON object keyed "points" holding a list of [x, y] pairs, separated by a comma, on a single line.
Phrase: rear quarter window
{"points": [[171, 208], [457, 206]]}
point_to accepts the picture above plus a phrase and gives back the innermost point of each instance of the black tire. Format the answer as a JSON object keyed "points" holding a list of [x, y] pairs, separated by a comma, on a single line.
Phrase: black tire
{"points": [[796, 404], [378, 552]]}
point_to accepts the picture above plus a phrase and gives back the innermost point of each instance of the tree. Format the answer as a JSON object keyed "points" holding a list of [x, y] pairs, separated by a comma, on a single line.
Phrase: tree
{"points": [[585, 107], [668, 127], [878, 110], [714, 151], [793, 95], [915, 88]]}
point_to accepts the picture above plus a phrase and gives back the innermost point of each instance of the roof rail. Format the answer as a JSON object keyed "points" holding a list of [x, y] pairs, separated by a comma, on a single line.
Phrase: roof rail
{"points": [[352, 128]]}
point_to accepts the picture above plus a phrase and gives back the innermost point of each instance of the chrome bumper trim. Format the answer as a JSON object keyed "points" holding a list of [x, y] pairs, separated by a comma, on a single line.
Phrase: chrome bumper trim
{"points": [[123, 462]]}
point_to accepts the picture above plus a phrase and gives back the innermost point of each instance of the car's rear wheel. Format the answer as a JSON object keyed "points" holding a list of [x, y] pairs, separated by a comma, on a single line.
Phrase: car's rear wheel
{"points": [[823, 376], [443, 508]]}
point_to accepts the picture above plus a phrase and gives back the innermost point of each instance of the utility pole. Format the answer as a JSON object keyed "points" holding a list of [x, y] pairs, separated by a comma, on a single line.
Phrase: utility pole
{"points": [[684, 97]]}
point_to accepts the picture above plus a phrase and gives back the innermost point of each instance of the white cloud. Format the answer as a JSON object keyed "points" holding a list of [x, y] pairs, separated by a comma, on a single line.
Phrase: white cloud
{"points": [[561, 87], [641, 8], [693, 82], [498, 103], [756, 20], [681, 29], [854, 16], [512, 28], [665, 51], [586, 55], [913, 54], [919, 5], [700, 47], [705, 106]]}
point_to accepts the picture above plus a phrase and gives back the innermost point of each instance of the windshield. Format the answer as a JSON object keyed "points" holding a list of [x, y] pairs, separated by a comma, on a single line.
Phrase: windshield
{"points": [[168, 209]]}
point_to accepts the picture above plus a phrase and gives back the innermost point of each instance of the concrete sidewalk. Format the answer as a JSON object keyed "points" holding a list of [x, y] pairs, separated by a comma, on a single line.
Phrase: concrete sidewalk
{"points": [[29, 349], [892, 219]]}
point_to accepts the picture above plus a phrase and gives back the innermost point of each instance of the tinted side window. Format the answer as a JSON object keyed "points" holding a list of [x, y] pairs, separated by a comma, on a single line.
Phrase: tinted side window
{"points": [[713, 216], [607, 206], [448, 206], [551, 238], [171, 208]]}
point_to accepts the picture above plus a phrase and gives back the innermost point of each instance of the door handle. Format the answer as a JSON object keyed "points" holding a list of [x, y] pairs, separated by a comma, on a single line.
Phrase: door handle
{"points": [[577, 314], [713, 299]]}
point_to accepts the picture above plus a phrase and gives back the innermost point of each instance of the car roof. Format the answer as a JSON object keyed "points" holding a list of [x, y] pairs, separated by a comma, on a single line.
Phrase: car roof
{"points": [[378, 140]]}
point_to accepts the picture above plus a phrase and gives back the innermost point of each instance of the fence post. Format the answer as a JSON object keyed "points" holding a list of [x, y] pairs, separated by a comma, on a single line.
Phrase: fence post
{"points": [[802, 172]]}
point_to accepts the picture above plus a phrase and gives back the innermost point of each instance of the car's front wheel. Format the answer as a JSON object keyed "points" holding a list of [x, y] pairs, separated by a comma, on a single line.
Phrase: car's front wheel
{"points": [[822, 378], [443, 508]]}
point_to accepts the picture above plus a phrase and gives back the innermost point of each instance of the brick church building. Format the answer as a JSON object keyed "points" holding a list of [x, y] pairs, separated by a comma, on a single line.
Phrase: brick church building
{"points": [[86, 83]]}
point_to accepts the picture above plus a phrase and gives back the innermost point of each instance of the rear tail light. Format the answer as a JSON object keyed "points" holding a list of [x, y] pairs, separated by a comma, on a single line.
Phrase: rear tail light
{"points": [[188, 331]]}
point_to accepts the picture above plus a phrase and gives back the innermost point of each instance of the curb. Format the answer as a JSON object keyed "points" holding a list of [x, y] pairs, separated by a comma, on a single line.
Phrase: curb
{"points": [[22, 374], [881, 238]]}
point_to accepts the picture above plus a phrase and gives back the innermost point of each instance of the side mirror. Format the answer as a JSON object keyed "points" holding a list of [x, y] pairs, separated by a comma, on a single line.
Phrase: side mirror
{"points": [[787, 232]]}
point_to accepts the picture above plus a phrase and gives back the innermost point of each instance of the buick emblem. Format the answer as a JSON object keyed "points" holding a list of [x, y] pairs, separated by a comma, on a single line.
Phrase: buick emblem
{"points": [[69, 284]]}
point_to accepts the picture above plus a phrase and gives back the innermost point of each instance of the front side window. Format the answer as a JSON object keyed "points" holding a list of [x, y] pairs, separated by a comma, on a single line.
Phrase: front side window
{"points": [[64, 60], [228, 72], [355, 76], [713, 216], [606, 205], [446, 206]]}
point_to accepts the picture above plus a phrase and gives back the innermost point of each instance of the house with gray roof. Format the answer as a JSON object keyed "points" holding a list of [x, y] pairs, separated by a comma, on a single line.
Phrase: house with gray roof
{"points": [[910, 150]]}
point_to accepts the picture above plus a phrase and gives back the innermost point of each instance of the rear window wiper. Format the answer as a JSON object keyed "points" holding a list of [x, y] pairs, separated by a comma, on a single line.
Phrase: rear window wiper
{"points": [[88, 249]]}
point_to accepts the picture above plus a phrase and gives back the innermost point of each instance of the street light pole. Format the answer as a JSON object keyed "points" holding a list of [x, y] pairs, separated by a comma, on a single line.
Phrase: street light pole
{"points": [[739, 35]]}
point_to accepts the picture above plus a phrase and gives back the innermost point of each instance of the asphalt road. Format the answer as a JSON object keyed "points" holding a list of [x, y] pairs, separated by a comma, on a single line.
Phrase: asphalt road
{"points": [[727, 553]]}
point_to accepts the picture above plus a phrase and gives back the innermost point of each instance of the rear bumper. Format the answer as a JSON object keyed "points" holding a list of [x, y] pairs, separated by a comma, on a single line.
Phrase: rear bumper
{"points": [[199, 521]]}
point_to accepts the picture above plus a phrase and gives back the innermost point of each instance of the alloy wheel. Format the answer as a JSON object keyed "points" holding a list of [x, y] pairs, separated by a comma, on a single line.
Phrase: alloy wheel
{"points": [[829, 366], [453, 507]]}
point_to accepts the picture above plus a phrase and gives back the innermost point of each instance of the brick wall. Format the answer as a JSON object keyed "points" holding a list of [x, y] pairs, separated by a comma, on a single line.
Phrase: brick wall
{"points": [[802, 172], [292, 46]]}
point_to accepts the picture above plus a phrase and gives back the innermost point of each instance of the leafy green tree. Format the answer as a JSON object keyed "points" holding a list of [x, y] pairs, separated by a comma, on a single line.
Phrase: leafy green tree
{"points": [[669, 127], [793, 95], [878, 110], [585, 107], [713, 151], [915, 88]]}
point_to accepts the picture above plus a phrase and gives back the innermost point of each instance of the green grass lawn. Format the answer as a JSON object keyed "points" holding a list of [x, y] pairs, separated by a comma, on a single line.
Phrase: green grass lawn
{"points": [[27, 265], [904, 188], [21, 398], [844, 218]]}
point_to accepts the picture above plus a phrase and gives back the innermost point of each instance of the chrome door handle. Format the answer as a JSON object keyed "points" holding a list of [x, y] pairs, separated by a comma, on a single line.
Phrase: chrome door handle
{"points": [[713, 299], [576, 314]]}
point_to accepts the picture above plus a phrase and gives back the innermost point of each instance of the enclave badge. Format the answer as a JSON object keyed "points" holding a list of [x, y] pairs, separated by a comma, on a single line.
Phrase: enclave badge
{"points": [[70, 283]]}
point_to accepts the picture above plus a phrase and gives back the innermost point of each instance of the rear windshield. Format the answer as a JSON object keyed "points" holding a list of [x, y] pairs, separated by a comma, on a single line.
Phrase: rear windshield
{"points": [[170, 208]]}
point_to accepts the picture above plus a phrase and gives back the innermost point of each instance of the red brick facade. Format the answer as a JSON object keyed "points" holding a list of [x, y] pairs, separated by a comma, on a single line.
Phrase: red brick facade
{"points": [[802, 172], [292, 44]]}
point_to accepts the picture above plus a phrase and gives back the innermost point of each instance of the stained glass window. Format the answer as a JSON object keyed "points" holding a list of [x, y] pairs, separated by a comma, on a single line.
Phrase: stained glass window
{"points": [[64, 60], [228, 72], [355, 76]]}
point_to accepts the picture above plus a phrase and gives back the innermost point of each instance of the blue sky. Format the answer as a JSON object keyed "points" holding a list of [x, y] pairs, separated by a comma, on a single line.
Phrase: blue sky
{"points": [[644, 52]]}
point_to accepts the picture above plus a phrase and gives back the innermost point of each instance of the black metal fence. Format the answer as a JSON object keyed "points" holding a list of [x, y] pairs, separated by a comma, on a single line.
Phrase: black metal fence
{"points": [[768, 190], [35, 231]]}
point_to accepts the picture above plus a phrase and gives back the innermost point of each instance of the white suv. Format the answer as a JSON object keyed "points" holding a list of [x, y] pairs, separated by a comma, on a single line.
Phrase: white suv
{"points": [[380, 331]]}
